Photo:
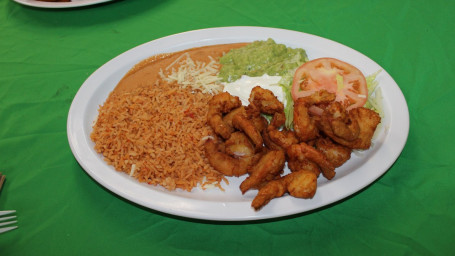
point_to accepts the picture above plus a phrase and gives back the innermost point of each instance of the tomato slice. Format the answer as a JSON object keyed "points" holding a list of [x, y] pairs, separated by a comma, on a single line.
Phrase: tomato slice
{"points": [[333, 75]]}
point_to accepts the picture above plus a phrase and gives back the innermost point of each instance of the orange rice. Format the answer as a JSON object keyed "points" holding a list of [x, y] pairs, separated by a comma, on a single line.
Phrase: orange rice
{"points": [[155, 134]]}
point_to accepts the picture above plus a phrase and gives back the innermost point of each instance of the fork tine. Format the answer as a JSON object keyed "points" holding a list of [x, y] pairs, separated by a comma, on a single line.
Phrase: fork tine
{"points": [[2, 213], [7, 223], [7, 212], [3, 230], [6, 218]]}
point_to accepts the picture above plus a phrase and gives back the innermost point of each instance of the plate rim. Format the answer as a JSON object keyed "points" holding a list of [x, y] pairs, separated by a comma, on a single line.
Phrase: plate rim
{"points": [[191, 212], [58, 5]]}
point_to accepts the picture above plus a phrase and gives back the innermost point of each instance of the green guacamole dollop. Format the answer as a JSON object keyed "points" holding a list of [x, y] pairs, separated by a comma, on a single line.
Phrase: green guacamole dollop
{"points": [[259, 58]]}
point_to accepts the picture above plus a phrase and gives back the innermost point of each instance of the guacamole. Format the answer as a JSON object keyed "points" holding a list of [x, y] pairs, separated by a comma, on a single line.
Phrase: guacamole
{"points": [[258, 58]]}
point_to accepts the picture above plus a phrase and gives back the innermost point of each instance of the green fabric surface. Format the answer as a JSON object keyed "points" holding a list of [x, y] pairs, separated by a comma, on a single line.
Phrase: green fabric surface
{"points": [[46, 55]]}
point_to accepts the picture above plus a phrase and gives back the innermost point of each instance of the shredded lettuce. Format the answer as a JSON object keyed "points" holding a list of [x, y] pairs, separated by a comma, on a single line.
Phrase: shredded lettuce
{"points": [[286, 85], [340, 82], [374, 101]]}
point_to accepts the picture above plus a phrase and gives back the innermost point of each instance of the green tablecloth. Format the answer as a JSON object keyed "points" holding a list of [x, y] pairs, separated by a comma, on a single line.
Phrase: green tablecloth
{"points": [[46, 54]]}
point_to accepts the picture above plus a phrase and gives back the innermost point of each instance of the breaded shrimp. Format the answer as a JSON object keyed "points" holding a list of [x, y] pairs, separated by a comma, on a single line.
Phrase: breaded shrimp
{"points": [[266, 102], [242, 123], [304, 126], [301, 184], [269, 143], [303, 151], [226, 164], [340, 122], [278, 120], [279, 139], [227, 119], [238, 145], [297, 165], [335, 153], [259, 121], [367, 121], [221, 104], [269, 166]]}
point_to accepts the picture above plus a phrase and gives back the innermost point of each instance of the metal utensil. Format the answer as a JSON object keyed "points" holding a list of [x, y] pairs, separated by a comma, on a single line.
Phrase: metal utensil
{"points": [[8, 220]]}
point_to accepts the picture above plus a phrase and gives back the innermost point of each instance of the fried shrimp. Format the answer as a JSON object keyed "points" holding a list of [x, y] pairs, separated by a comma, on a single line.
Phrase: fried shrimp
{"points": [[268, 142], [266, 102], [322, 139], [238, 145], [221, 104], [283, 138], [241, 122], [304, 125], [260, 123], [341, 123], [227, 119], [367, 120], [336, 154], [226, 164], [268, 167], [301, 184], [296, 165], [303, 151]]}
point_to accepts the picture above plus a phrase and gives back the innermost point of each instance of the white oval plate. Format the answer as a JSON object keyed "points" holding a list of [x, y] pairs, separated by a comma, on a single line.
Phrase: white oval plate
{"points": [[73, 3], [361, 170]]}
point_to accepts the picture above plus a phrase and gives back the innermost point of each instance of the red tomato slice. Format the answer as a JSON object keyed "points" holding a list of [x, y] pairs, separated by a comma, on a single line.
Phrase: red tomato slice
{"points": [[351, 87]]}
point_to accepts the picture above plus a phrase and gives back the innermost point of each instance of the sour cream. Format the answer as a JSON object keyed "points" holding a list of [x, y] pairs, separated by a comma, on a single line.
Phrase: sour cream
{"points": [[243, 86]]}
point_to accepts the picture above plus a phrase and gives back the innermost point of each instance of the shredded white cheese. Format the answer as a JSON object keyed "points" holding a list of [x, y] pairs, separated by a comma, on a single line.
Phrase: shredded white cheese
{"points": [[133, 168], [197, 75]]}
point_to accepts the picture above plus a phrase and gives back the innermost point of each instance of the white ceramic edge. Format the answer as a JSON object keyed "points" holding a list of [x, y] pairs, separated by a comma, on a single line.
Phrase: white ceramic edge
{"points": [[56, 5], [239, 211]]}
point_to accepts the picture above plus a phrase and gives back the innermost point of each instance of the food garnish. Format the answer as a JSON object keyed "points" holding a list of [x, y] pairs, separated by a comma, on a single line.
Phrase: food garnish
{"points": [[334, 76], [197, 75]]}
